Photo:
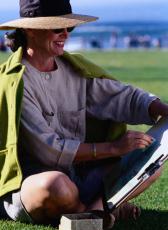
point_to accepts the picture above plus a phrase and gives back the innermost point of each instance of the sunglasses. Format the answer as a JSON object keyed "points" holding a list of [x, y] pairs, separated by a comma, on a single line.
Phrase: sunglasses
{"points": [[58, 31]]}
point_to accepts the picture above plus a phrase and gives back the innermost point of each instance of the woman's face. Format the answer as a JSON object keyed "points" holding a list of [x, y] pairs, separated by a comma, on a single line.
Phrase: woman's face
{"points": [[47, 42]]}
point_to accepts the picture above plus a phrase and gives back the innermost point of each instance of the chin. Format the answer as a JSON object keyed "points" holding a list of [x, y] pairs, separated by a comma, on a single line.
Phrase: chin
{"points": [[59, 52]]}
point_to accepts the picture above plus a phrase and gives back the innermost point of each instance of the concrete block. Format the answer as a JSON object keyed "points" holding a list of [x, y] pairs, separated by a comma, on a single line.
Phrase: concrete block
{"points": [[81, 221]]}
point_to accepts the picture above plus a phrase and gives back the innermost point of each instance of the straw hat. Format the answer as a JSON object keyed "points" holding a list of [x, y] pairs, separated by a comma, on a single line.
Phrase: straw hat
{"points": [[46, 14]]}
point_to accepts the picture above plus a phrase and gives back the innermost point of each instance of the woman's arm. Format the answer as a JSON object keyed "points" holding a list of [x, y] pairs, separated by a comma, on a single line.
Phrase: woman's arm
{"points": [[130, 141]]}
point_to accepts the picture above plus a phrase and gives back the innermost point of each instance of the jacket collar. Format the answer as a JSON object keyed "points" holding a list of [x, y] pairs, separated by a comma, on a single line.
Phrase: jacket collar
{"points": [[85, 67], [13, 62]]}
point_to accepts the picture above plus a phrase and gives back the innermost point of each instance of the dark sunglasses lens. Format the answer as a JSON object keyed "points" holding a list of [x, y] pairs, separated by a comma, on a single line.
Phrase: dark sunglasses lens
{"points": [[70, 29], [58, 31]]}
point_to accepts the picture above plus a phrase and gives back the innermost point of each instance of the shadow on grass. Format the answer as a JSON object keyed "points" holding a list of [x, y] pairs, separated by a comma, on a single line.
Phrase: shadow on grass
{"points": [[149, 220]]}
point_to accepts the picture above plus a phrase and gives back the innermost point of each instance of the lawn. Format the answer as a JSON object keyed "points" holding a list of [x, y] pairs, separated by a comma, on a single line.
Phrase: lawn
{"points": [[148, 70]]}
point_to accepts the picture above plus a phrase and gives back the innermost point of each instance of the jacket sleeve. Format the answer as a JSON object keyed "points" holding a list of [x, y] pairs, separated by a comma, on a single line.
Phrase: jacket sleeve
{"points": [[110, 99]]}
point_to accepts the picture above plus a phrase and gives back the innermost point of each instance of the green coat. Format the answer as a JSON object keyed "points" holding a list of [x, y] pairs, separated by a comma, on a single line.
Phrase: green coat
{"points": [[11, 93]]}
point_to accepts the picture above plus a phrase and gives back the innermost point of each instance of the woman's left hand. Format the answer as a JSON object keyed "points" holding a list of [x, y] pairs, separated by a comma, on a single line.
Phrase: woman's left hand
{"points": [[158, 108]]}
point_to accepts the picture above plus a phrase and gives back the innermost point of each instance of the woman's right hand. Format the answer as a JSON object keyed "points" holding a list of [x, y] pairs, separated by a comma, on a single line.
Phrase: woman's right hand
{"points": [[130, 141]]}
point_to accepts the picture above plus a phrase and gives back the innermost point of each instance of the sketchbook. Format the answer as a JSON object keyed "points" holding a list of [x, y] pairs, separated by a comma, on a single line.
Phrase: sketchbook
{"points": [[144, 164]]}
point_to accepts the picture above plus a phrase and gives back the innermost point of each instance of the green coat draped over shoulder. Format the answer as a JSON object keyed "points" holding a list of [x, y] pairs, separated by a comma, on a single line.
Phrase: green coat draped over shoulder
{"points": [[11, 93]]}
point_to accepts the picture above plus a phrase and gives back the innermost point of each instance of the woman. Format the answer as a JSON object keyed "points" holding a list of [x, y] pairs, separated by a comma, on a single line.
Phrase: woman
{"points": [[56, 168]]}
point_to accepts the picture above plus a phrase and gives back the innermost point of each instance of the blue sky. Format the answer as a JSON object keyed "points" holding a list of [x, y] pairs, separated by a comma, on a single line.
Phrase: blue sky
{"points": [[113, 10]]}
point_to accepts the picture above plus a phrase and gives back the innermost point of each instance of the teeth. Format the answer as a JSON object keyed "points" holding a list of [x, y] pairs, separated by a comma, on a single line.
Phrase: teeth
{"points": [[60, 43]]}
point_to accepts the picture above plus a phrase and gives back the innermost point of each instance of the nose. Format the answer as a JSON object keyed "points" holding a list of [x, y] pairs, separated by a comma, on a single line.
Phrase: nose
{"points": [[64, 33]]}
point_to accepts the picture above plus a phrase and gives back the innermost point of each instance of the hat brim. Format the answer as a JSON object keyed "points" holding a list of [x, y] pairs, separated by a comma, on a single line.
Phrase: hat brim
{"points": [[57, 22]]}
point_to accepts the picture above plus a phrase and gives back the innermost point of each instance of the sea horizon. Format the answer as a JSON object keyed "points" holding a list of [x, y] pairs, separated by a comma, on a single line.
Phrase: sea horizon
{"points": [[119, 34]]}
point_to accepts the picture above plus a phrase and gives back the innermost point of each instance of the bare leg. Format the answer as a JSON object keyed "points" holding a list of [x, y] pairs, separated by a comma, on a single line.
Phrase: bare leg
{"points": [[48, 195]]}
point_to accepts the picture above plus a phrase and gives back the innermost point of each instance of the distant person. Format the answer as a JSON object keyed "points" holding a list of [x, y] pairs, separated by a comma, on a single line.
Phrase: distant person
{"points": [[133, 41], [157, 43], [126, 41], [95, 43], [114, 40], [145, 41], [51, 162]]}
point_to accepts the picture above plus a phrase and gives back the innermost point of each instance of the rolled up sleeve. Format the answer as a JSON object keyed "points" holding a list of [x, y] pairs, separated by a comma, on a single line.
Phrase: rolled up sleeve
{"points": [[68, 154]]}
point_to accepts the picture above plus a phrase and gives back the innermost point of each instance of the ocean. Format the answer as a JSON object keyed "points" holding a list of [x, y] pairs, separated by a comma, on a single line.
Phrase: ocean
{"points": [[119, 35]]}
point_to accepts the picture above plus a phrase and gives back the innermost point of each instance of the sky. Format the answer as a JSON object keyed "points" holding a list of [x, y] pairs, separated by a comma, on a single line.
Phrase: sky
{"points": [[106, 10]]}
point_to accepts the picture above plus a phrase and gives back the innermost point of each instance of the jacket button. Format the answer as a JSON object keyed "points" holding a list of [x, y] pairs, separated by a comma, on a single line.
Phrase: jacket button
{"points": [[47, 77]]}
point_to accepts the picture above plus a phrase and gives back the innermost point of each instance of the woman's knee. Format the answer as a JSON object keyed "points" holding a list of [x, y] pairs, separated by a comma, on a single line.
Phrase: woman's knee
{"points": [[51, 193], [61, 189]]}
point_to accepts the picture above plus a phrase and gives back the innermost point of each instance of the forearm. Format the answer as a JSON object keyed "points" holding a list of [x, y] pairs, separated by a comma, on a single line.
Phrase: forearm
{"points": [[86, 152], [130, 141]]}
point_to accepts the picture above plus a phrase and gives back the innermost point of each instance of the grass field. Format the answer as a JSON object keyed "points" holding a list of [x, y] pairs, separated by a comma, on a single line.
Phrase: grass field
{"points": [[148, 70]]}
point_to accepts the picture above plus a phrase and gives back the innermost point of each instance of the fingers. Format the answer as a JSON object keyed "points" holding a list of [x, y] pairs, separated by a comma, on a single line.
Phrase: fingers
{"points": [[131, 141], [138, 140], [140, 143], [139, 135]]}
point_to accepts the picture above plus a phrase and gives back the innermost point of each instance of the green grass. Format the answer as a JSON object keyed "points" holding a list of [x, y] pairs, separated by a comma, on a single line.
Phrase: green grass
{"points": [[148, 70], [3, 57], [143, 69], [11, 225]]}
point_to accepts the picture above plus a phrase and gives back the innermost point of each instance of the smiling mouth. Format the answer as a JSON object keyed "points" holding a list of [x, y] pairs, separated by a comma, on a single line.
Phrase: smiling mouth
{"points": [[60, 43]]}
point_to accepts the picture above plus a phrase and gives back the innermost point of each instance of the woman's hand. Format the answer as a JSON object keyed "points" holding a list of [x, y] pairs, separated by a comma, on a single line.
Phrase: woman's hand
{"points": [[130, 141], [158, 108]]}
